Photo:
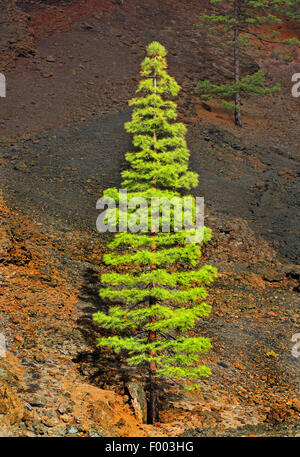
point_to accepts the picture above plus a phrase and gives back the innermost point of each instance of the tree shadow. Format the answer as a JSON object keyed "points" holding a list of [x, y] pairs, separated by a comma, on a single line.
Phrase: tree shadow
{"points": [[102, 366], [89, 291]]}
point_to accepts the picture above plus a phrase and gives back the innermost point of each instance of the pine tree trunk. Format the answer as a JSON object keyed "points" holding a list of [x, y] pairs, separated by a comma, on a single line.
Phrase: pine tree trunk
{"points": [[153, 414], [237, 112]]}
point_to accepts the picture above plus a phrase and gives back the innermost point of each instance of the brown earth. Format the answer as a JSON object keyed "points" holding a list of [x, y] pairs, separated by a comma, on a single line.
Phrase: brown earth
{"points": [[70, 69]]}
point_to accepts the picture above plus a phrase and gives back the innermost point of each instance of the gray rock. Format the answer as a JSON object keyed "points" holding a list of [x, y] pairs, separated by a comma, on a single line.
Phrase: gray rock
{"points": [[138, 400], [21, 166], [3, 374], [63, 408], [270, 272], [93, 433]]}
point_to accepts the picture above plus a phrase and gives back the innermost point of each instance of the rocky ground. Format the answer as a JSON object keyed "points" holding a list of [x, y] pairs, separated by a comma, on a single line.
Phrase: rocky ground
{"points": [[70, 69]]}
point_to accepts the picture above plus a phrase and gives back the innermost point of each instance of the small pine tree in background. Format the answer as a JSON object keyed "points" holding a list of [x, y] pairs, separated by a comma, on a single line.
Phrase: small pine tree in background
{"points": [[288, 8], [238, 21], [159, 298]]}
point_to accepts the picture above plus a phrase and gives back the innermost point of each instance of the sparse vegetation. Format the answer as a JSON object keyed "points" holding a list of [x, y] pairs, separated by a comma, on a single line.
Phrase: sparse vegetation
{"points": [[242, 23]]}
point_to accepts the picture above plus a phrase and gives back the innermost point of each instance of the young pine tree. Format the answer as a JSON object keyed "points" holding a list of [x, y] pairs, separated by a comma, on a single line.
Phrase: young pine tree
{"points": [[288, 8], [240, 20], [158, 300]]}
